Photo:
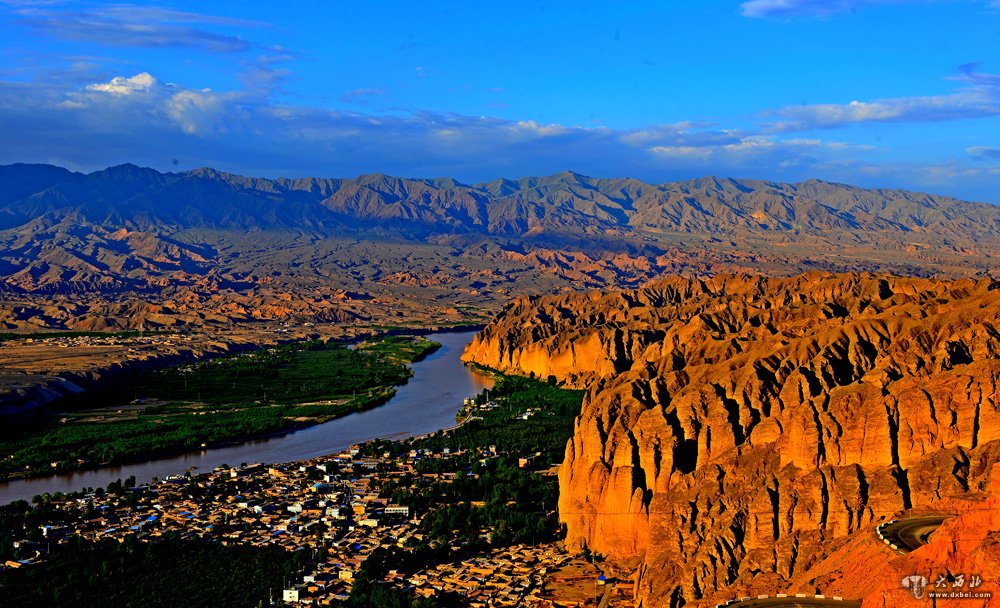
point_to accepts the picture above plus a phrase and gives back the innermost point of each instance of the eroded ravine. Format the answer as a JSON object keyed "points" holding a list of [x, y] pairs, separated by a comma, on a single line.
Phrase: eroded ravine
{"points": [[735, 428]]}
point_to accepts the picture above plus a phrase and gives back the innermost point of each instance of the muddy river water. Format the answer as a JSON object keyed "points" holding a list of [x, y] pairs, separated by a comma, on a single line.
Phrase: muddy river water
{"points": [[428, 402]]}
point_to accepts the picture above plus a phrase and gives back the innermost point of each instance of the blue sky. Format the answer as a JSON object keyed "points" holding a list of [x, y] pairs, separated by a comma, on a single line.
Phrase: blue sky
{"points": [[880, 93]]}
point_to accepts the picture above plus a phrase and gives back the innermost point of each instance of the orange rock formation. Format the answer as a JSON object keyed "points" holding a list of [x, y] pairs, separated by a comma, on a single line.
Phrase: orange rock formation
{"points": [[738, 430]]}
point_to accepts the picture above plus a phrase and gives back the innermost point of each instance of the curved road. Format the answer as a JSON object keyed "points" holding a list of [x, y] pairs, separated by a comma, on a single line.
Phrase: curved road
{"points": [[904, 534], [910, 534], [791, 602]]}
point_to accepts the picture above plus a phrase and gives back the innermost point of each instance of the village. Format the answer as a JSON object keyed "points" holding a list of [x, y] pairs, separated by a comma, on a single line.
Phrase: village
{"points": [[465, 516], [331, 507]]}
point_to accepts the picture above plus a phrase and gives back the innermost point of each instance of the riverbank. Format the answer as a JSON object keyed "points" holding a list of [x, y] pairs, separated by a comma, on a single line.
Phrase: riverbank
{"points": [[211, 403], [422, 507], [40, 367], [426, 403]]}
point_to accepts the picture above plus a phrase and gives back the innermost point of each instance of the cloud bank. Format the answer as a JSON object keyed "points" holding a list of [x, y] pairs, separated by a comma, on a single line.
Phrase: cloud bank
{"points": [[778, 9], [978, 97], [138, 118], [983, 152], [134, 26]]}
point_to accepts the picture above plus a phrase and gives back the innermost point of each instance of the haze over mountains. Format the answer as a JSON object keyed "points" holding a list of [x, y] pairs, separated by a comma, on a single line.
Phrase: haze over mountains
{"points": [[245, 244]]}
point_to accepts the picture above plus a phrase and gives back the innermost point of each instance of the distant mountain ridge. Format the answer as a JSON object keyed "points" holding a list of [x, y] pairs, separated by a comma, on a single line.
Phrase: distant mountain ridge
{"points": [[564, 202], [439, 244]]}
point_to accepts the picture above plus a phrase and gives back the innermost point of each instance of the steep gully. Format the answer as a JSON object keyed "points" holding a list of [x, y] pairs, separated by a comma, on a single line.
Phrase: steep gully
{"points": [[739, 430]]}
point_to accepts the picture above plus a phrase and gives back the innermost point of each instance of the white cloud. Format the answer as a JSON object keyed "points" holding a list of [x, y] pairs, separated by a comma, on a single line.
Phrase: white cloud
{"points": [[143, 98], [120, 85], [983, 152], [678, 133], [776, 9], [980, 97], [683, 152], [138, 26], [799, 8], [532, 128], [128, 118], [758, 151], [197, 111], [142, 120], [130, 25]]}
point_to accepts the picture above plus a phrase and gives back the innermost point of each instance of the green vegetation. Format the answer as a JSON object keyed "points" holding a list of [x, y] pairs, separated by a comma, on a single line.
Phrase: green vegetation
{"points": [[510, 503], [407, 349], [287, 374], [121, 439], [488, 502], [546, 430], [169, 573], [21, 520], [496, 494], [186, 406], [482, 500]]}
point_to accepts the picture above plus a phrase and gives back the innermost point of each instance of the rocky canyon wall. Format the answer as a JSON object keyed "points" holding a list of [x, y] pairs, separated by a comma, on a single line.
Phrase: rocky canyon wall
{"points": [[736, 429]]}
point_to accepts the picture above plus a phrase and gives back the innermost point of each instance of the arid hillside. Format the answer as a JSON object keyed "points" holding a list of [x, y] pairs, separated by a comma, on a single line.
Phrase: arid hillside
{"points": [[739, 431], [208, 248]]}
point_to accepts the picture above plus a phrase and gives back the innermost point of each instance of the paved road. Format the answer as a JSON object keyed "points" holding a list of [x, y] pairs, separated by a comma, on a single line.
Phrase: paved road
{"points": [[910, 534], [907, 534], [791, 602]]}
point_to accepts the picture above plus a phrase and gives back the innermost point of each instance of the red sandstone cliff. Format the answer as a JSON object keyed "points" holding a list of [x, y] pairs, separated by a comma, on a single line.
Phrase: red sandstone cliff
{"points": [[738, 430]]}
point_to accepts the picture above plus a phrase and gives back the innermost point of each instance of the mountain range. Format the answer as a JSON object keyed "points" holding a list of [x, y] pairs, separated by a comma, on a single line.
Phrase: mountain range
{"points": [[377, 242], [137, 197]]}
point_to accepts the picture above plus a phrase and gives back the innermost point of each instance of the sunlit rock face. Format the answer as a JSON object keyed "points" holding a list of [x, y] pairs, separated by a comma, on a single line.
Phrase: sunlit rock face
{"points": [[735, 429]]}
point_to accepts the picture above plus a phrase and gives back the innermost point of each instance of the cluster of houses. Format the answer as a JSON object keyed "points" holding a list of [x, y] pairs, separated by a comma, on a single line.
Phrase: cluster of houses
{"points": [[295, 506], [331, 506], [87, 340], [512, 576]]}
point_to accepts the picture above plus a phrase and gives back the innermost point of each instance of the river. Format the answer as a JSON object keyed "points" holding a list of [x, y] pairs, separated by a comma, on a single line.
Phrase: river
{"points": [[428, 402]]}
